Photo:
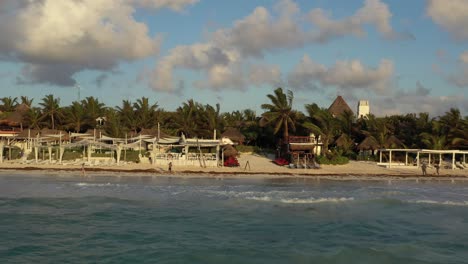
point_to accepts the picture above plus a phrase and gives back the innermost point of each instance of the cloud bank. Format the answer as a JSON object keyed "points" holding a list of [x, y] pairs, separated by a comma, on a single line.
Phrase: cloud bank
{"points": [[308, 74], [452, 15], [54, 44], [228, 50]]}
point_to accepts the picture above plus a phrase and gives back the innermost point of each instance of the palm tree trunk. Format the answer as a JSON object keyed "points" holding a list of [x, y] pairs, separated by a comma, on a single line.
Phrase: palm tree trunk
{"points": [[286, 132]]}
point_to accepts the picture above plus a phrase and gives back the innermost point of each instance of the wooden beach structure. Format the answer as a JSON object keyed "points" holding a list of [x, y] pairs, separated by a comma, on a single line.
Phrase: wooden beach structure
{"points": [[423, 153]]}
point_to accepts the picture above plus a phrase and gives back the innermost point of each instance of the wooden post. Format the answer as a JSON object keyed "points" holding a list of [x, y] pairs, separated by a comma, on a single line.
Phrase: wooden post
{"points": [[390, 159]]}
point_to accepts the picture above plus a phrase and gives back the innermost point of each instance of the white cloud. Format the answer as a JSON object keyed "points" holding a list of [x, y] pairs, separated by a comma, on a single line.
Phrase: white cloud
{"points": [[374, 12], [261, 74], [412, 103], [263, 32], [460, 78], [56, 39], [464, 57], [452, 15], [344, 74], [176, 5]]}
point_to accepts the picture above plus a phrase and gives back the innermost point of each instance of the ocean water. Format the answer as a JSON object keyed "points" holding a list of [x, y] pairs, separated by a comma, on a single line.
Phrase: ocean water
{"points": [[70, 219]]}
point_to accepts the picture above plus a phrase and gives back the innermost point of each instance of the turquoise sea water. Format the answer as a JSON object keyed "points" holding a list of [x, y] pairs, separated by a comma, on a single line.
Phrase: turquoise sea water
{"points": [[69, 219]]}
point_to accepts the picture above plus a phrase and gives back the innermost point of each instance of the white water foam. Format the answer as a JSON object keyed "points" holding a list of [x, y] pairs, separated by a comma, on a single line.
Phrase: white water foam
{"points": [[461, 203], [87, 184], [302, 201]]}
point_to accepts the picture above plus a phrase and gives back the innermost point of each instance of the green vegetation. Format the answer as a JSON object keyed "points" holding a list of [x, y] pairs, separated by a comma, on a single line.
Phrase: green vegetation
{"points": [[344, 137]]}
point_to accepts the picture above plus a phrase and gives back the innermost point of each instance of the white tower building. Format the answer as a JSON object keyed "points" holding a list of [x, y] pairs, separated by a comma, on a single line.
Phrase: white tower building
{"points": [[363, 108]]}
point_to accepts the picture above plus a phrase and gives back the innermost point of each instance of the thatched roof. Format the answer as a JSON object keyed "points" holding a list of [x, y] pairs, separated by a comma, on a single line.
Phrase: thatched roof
{"points": [[22, 108], [229, 151], [234, 134], [393, 142], [369, 143], [31, 133], [339, 106], [343, 141], [14, 119]]}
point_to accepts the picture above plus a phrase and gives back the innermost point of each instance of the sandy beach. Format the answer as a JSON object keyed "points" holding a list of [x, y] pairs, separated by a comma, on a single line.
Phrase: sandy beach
{"points": [[251, 165]]}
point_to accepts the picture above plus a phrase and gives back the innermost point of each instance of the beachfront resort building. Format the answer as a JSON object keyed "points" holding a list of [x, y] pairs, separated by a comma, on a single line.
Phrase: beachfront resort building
{"points": [[363, 109]]}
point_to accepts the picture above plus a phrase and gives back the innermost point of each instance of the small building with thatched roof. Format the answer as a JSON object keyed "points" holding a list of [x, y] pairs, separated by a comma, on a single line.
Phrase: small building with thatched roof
{"points": [[234, 134], [339, 106], [393, 142], [369, 144]]}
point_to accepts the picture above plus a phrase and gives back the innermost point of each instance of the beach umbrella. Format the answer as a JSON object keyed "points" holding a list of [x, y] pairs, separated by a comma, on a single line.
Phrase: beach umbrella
{"points": [[229, 151], [369, 143]]}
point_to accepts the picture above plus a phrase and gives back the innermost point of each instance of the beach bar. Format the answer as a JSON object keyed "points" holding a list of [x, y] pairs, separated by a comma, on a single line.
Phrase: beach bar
{"points": [[420, 153]]}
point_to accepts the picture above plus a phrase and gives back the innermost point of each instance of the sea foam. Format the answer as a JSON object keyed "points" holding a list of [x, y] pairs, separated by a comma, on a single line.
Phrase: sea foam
{"points": [[302, 201]]}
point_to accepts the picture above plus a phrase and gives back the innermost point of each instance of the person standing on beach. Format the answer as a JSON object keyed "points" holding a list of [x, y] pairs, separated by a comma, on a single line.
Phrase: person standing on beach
{"points": [[424, 167], [437, 167], [83, 172], [170, 166]]}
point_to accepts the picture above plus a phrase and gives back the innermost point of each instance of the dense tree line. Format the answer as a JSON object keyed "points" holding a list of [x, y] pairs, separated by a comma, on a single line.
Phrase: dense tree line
{"points": [[278, 121]]}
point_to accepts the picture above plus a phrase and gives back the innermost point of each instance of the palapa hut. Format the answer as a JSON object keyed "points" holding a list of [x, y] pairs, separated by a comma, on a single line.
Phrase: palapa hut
{"points": [[229, 151], [344, 142], [368, 145], [393, 142], [15, 120], [234, 134], [338, 107]]}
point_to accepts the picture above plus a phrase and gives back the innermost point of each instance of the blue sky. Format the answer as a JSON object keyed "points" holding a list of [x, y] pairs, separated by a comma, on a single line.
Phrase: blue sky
{"points": [[402, 56]]}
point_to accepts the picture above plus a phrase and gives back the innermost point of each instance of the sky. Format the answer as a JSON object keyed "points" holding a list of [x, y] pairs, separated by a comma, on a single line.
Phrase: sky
{"points": [[401, 56]]}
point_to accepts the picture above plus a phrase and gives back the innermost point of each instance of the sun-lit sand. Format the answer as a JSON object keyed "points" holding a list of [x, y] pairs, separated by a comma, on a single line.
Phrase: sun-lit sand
{"points": [[251, 165]]}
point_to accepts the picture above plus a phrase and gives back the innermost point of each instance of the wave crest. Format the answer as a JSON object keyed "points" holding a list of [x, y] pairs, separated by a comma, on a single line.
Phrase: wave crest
{"points": [[303, 201]]}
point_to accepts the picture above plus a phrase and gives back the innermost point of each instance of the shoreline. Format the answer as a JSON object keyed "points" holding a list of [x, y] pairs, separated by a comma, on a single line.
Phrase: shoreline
{"points": [[259, 167]]}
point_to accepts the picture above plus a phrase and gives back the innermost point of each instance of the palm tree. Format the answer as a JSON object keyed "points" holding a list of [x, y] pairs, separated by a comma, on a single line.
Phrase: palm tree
{"points": [[437, 138], [145, 113], [75, 116], [322, 122], [127, 116], [455, 128], [113, 125], [26, 101], [9, 104], [280, 112], [93, 109], [185, 119], [33, 118], [210, 119], [51, 108]]}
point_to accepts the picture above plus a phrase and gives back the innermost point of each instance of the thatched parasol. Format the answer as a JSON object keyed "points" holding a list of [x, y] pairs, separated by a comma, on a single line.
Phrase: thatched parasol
{"points": [[369, 143], [234, 134], [343, 141], [393, 142], [229, 151]]}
